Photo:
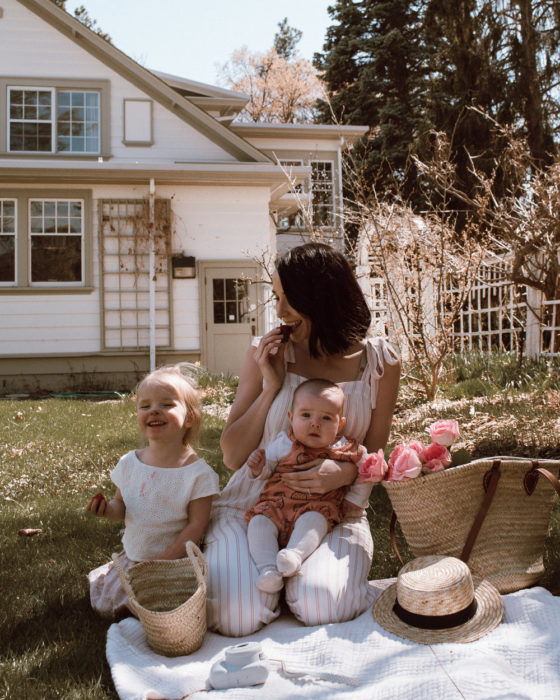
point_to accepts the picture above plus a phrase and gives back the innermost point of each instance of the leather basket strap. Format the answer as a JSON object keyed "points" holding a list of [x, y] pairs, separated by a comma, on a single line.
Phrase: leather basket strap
{"points": [[490, 483], [550, 476]]}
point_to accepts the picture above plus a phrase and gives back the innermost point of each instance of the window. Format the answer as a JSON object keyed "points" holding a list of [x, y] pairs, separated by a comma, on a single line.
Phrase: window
{"points": [[48, 121], [56, 240], [45, 239], [321, 187], [55, 117], [7, 241]]}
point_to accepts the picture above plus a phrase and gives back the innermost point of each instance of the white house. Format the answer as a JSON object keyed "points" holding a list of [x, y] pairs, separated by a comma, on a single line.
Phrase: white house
{"points": [[96, 152]]}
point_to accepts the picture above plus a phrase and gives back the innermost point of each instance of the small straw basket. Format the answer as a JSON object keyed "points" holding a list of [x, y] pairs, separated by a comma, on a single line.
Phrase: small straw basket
{"points": [[491, 513], [169, 599]]}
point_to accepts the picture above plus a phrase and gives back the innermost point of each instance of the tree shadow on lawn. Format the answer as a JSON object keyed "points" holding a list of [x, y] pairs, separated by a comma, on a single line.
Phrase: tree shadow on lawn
{"points": [[63, 647]]}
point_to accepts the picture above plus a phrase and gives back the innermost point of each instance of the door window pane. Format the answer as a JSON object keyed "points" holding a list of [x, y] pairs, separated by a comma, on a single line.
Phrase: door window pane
{"points": [[230, 300]]}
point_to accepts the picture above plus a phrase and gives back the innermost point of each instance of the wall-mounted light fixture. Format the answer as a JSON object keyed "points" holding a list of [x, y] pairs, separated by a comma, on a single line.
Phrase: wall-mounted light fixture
{"points": [[183, 266]]}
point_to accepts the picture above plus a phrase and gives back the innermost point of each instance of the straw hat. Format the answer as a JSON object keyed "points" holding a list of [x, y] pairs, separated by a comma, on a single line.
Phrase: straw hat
{"points": [[435, 600]]}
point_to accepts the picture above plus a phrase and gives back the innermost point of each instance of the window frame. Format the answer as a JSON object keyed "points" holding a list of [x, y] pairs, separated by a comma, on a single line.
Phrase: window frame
{"points": [[23, 235], [317, 161], [56, 85], [285, 157], [10, 283]]}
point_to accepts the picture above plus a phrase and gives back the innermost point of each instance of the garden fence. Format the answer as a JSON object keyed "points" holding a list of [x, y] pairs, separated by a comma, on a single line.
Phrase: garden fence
{"points": [[497, 315]]}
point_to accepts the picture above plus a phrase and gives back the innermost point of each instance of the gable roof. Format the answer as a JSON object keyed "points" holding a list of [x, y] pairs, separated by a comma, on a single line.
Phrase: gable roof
{"points": [[145, 80]]}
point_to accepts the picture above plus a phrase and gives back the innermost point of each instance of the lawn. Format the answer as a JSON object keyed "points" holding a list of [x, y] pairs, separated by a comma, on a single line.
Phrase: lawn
{"points": [[56, 453]]}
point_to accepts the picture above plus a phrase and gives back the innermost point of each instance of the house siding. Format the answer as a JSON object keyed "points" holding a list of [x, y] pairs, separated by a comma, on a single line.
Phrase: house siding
{"points": [[31, 48]]}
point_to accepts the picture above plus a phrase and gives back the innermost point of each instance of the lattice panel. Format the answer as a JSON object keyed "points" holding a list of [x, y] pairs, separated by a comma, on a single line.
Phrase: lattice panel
{"points": [[125, 244]]}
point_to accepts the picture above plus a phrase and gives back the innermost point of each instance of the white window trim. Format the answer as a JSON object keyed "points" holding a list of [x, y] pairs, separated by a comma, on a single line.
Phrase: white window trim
{"points": [[12, 283], [30, 235]]}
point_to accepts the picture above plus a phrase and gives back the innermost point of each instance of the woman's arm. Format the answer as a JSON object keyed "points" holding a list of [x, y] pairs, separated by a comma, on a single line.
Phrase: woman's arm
{"points": [[382, 415], [198, 514], [260, 380]]}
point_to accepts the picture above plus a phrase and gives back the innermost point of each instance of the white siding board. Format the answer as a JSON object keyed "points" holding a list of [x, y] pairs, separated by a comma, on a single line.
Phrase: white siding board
{"points": [[30, 47]]}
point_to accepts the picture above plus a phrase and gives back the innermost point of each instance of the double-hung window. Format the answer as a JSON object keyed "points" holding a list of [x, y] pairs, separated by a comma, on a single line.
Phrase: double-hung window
{"points": [[59, 117], [45, 239], [53, 121]]}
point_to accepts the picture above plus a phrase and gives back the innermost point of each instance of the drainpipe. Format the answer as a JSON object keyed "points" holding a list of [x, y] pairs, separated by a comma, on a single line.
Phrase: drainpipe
{"points": [[152, 277], [340, 198]]}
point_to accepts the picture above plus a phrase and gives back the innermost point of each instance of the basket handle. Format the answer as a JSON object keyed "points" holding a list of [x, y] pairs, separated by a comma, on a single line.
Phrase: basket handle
{"points": [[490, 481], [198, 562], [123, 575], [532, 476]]}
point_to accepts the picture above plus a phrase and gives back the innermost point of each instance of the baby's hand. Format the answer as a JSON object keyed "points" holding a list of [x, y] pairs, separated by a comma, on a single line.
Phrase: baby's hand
{"points": [[97, 505], [256, 462]]}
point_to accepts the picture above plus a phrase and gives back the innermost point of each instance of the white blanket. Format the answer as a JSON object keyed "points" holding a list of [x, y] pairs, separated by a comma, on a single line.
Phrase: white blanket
{"points": [[519, 660]]}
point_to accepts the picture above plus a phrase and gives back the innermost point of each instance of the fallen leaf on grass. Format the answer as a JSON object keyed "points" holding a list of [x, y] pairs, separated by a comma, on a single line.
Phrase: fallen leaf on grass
{"points": [[29, 531]]}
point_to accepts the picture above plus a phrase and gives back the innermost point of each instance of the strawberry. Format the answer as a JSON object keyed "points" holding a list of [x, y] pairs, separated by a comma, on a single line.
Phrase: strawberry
{"points": [[286, 332]]}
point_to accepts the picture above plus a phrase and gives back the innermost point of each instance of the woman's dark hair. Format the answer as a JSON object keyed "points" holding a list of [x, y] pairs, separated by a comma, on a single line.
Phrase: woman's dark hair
{"points": [[319, 283]]}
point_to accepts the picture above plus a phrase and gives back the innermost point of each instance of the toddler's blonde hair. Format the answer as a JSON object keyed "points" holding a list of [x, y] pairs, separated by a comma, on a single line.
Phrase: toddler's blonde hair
{"points": [[182, 377]]}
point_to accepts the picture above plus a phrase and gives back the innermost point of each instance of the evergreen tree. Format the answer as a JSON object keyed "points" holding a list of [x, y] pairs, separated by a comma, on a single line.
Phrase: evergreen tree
{"points": [[533, 35], [82, 15], [286, 39], [373, 67], [408, 69]]}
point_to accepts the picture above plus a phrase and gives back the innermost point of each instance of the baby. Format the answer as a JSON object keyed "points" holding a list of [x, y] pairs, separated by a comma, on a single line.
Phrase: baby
{"points": [[291, 519]]}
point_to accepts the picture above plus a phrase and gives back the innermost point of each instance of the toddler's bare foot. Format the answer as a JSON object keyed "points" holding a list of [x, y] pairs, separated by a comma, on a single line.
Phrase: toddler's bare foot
{"points": [[288, 562], [270, 581]]}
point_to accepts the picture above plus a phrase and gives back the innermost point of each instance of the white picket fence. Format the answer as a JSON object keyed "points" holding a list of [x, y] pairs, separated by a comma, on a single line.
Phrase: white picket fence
{"points": [[495, 317]]}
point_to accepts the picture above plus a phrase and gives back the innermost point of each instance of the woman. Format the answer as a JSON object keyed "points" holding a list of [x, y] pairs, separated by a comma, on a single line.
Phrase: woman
{"points": [[318, 296]]}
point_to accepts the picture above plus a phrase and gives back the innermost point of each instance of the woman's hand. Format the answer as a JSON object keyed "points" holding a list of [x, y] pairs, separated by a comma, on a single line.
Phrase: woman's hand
{"points": [[269, 356], [323, 475]]}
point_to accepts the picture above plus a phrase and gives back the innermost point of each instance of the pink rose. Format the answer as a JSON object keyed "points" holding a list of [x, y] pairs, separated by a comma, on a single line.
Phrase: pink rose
{"points": [[435, 458], [417, 446], [444, 432], [404, 465], [373, 468]]}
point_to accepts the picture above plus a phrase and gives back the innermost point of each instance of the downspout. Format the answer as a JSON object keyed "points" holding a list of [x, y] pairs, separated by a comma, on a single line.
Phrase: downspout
{"points": [[152, 276], [340, 197]]}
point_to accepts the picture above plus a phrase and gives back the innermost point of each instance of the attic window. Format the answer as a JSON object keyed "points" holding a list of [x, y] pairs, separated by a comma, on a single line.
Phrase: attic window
{"points": [[47, 120]]}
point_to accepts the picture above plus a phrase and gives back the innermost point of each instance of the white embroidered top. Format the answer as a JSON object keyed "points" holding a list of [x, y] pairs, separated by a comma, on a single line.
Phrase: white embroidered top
{"points": [[241, 491], [156, 500]]}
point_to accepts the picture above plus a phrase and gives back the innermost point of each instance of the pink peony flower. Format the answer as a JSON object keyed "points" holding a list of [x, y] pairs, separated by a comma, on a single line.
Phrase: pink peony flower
{"points": [[373, 468], [435, 458], [404, 463], [444, 432]]}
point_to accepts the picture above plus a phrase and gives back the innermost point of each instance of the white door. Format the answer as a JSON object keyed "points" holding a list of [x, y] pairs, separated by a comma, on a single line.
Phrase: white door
{"points": [[231, 314]]}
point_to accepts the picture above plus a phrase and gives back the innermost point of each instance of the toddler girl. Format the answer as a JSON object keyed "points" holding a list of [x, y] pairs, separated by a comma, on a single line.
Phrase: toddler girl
{"points": [[164, 491], [296, 520]]}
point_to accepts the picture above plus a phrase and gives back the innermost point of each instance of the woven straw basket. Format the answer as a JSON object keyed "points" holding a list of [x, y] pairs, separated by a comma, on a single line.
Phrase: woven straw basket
{"points": [[492, 513], [169, 599]]}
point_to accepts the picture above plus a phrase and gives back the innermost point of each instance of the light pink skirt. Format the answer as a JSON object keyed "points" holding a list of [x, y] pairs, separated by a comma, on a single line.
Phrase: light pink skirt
{"points": [[107, 596]]}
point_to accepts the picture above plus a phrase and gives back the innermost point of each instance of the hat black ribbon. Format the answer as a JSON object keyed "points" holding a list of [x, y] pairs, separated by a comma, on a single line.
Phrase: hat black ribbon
{"points": [[436, 622]]}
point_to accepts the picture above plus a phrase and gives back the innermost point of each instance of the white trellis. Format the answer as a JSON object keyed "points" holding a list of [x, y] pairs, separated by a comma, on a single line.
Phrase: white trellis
{"points": [[496, 316]]}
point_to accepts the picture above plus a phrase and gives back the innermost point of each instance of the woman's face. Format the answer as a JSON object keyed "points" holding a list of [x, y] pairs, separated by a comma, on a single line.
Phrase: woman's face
{"points": [[301, 325]]}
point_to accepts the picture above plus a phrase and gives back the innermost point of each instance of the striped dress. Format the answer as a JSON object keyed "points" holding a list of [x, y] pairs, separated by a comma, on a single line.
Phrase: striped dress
{"points": [[332, 583]]}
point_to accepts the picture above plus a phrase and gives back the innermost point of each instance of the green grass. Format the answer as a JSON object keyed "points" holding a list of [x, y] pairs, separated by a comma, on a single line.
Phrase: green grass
{"points": [[56, 453]]}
